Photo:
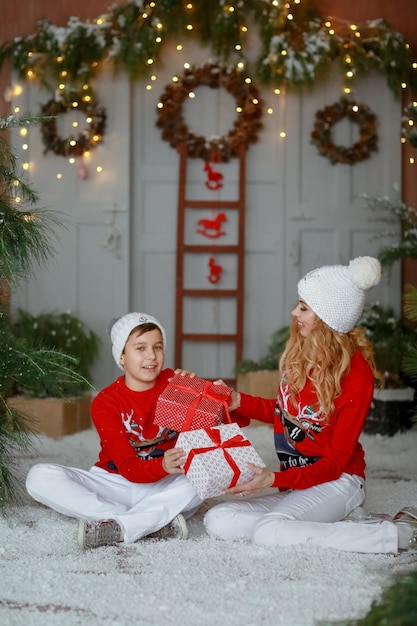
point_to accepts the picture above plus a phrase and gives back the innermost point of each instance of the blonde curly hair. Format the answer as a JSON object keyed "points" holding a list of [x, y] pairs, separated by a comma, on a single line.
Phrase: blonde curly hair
{"points": [[324, 358]]}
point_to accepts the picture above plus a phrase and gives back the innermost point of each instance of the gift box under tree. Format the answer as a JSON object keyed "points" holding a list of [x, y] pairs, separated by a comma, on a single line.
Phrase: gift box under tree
{"points": [[217, 458], [189, 403]]}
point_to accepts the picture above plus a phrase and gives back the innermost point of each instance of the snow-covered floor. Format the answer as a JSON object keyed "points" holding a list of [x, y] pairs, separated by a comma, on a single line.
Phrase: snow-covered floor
{"points": [[46, 580]]}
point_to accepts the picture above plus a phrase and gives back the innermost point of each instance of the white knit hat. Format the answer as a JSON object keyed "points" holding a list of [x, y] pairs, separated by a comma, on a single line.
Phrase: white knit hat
{"points": [[122, 328], [336, 293]]}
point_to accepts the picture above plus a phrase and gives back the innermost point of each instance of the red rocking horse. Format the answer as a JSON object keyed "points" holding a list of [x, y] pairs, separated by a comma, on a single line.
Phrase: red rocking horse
{"points": [[214, 178], [215, 275], [212, 228]]}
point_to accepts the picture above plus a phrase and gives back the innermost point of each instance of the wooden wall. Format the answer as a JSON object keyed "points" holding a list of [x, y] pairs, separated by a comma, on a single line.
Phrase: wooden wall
{"points": [[20, 18]]}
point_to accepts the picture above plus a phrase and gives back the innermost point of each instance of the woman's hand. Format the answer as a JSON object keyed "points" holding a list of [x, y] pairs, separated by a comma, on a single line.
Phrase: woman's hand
{"points": [[174, 460], [184, 373], [263, 478], [234, 397]]}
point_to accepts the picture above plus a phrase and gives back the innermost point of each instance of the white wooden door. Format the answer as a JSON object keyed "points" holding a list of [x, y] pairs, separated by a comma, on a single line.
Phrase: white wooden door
{"points": [[326, 219]]}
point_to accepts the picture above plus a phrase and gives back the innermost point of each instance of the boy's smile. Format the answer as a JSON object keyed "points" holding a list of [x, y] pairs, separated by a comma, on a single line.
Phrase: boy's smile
{"points": [[143, 359]]}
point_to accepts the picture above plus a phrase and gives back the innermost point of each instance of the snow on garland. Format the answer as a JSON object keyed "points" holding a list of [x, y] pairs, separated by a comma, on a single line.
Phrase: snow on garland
{"points": [[77, 145], [170, 117], [360, 114], [295, 57]]}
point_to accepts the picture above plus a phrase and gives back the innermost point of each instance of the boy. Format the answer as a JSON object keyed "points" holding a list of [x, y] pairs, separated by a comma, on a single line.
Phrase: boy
{"points": [[137, 486]]}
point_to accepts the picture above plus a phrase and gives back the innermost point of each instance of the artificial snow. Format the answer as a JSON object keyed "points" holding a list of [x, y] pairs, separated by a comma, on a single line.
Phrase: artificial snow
{"points": [[46, 580]]}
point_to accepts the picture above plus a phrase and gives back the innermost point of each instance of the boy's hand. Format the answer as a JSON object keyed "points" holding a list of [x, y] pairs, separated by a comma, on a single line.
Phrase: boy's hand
{"points": [[174, 460]]}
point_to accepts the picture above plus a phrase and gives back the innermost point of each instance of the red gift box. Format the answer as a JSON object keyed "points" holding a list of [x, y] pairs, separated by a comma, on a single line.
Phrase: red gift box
{"points": [[189, 403], [217, 458]]}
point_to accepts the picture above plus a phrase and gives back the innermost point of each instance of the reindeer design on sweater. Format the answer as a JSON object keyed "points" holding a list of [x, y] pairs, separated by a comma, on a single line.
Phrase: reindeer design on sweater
{"points": [[296, 428]]}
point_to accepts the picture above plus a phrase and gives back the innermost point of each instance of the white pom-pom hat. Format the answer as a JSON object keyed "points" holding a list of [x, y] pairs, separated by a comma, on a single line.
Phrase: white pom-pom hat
{"points": [[121, 329], [336, 293]]}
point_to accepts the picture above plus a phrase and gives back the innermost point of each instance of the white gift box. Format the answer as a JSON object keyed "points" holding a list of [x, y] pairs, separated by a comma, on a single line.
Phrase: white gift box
{"points": [[217, 458]]}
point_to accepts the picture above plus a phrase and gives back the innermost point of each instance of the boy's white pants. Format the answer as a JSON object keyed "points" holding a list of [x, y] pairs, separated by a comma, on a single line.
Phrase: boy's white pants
{"points": [[309, 516], [139, 508]]}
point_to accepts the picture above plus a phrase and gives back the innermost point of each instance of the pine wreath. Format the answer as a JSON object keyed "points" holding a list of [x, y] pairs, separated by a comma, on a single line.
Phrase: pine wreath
{"points": [[74, 145], [360, 114], [170, 118]]}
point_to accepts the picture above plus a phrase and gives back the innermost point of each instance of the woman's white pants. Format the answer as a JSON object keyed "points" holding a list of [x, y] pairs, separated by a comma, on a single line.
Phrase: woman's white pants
{"points": [[309, 516], [139, 508]]}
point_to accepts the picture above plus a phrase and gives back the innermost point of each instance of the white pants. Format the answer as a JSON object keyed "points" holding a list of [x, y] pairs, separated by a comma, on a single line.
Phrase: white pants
{"points": [[309, 516], [139, 508]]}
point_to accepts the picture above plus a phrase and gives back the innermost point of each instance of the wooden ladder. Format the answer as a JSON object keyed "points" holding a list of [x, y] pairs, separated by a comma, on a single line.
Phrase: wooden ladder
{"points": [[238, 249]]}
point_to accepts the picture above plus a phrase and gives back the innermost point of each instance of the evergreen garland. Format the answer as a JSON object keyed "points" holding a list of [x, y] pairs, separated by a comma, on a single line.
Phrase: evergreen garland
{"points": [[297, 42], [410, 131]]}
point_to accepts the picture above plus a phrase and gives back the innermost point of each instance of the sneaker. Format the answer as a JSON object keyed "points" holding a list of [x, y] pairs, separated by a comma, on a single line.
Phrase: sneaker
{"points": [[105, 532], [408, 516], [176, 529]]}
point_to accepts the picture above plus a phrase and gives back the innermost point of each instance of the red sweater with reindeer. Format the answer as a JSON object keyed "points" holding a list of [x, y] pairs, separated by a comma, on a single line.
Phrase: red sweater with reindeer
{"points": [[312, 450], [131, 444]]}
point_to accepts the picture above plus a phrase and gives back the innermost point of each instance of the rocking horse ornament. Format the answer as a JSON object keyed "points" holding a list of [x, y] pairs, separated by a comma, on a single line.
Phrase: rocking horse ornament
{"points": [[212, 228], [214, 178], [216, 271]]}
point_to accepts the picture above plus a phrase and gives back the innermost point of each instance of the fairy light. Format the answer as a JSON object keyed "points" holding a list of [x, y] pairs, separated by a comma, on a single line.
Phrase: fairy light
{"points": [[25, 166], [191, 95], [179, 47], [59, 176], [189, 27], [277, 91], [25, 146], [283, 134], [71, 160], [18, 90], [23, 132], [99, 169], [270, 110], [248, 80], [412, 160]]}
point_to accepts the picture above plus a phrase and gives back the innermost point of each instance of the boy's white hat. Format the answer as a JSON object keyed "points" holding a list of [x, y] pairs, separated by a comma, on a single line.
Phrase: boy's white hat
{"points": [[336, 293], [122, 328]]}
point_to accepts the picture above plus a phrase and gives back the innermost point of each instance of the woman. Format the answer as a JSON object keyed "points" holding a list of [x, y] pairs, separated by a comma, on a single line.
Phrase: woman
{"points": [[327, 374]]}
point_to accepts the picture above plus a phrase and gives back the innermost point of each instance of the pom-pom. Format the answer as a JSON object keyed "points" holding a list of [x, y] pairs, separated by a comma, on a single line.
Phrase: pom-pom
{"points": [[365, 271]]}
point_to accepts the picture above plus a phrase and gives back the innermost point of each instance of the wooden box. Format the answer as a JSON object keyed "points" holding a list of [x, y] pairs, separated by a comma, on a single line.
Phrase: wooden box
{"points": [[55, 417]]}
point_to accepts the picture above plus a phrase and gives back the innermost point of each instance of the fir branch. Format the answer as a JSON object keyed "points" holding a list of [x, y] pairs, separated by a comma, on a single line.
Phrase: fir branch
{"points": [[402, 239], [16, 438]]}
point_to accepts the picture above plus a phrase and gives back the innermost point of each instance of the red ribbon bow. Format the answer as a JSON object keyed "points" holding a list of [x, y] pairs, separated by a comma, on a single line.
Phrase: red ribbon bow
{"points": [[234, 442], [199, 394]]}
